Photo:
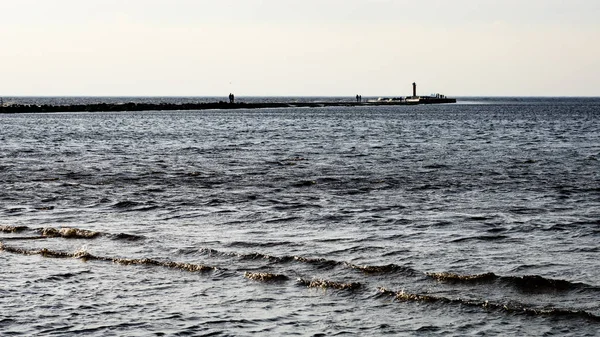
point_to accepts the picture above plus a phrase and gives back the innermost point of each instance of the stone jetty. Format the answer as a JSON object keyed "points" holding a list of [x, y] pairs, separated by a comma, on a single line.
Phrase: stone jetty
{"points": [[108, 107]]}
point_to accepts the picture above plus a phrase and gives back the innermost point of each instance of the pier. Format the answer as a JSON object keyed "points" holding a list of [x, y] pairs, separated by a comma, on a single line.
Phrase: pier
{"points": [[105, 107], [222, 105]]}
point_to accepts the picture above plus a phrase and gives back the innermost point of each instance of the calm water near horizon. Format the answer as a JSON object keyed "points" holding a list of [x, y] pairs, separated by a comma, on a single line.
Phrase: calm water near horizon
{"points": [[476, 218]]}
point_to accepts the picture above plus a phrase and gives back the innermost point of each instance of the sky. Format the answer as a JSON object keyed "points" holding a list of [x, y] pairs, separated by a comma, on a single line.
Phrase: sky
{"points": [[299, 47]]}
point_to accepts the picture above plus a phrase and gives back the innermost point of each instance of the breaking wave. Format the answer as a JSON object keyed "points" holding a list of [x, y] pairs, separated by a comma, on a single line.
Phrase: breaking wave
{"points": [[317, 283], [84, 255], [527, 283], [512, 308], [522, 282], [265, 277], [65, 232]]}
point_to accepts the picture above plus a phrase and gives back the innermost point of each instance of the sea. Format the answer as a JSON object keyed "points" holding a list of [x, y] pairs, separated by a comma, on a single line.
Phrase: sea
{"points": [[480, 218]]}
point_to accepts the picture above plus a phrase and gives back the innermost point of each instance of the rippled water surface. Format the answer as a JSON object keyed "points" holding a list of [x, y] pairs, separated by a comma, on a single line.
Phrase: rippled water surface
{"points": [[464, 219]]}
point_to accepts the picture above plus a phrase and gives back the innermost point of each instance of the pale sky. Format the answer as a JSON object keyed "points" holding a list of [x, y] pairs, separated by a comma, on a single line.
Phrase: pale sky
{"points": [[299, 47]]}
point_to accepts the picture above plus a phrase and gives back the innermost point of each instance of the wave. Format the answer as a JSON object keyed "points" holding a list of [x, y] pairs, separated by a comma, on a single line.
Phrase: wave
{"points": [[304, 183], [513, 308], [265, 277], [317, 283], [125, 236], [456, 278], [385, 269], [259, 244], [12, 229], [69, 233], [536, 283], [527, 283], [63, 276], [173, 265], [328, 264], [135, 206], [84, 255], [481, 238], [18, 238], [285, 219], [126, 204], [436, 166], [45, 208], [317, 262], [321, 263], [259, 256], [64, 232]]}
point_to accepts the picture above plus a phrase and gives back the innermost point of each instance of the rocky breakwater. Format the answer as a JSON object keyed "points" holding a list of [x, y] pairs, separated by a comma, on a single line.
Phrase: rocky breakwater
{"points": [[114, 107]]}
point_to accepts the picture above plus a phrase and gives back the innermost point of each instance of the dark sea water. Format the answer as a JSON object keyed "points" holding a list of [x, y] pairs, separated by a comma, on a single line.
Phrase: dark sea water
{"points": [[476, 218]]}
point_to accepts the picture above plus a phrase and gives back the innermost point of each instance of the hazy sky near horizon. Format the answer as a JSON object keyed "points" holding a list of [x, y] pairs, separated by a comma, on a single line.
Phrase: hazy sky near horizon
{"points": [[299, 47]]}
